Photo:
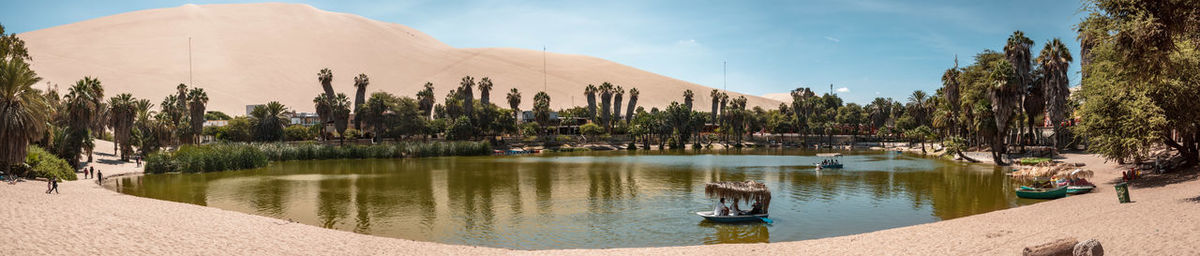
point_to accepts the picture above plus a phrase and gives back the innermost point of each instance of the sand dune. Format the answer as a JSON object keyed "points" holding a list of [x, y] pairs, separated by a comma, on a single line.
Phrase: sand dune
{"points": [[252, 53]]}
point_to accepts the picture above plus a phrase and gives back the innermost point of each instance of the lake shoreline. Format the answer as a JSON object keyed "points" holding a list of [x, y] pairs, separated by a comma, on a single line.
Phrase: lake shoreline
{"points": [[88, 219]]}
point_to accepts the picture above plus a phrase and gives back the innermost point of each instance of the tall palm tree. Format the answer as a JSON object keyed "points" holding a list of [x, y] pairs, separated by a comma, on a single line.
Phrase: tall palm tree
{"points": [[633, 98], [425, 100], [146, 138], [466, 89], [197, 101], [618, 97], [541, 109], [485, 91], [271, 119], [514, 102], [123, 111], [82, 106], [688, 96], [325, 76], [1005, 93], [23, 111], [590, 92], [716, 103], [606, 92], [360, 83], [1016, 51], [324, 105], [950, 90], [1056, 58], [918, 102]]}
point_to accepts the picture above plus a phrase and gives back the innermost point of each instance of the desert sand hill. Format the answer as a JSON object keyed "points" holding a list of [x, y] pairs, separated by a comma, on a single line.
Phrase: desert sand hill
{"points": [[253, 53]]}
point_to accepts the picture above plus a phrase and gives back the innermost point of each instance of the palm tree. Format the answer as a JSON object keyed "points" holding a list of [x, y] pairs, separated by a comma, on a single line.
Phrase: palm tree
{"points": [[468, 96], [618, 96], [950, 90], [541, 109], [590, 92], [325, 76], [716, 103], [485, 91], [606, 92], [514, 102], [197, 99], [324, 105], [270, 119], [425, 100], [23, 111], [1005, 93], [633, 97], [1056, 58], [123, 111], [918, 102], [360, 83], [340, 108], [1016, 51], [82, 106], [688, 96]]}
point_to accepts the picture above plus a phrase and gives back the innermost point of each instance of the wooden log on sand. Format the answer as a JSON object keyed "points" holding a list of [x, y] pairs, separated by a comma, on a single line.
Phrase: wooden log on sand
{"points": [[1060, 247]]}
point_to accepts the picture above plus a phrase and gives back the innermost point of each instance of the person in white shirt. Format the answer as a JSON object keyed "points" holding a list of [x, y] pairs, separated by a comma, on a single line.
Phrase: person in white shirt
{"points": [[721, 209]]}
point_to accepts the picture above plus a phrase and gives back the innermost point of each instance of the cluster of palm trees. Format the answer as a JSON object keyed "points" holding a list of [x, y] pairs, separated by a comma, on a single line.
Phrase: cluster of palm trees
{"points": [[608, 113]]}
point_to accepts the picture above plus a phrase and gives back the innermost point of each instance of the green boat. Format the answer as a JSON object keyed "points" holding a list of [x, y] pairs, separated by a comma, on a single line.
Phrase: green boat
{"points": [[1079, 189], [1036, 193]]}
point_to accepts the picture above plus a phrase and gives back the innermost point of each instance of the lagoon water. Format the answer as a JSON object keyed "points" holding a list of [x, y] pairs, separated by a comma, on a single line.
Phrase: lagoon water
{"points": [[594, 199]]}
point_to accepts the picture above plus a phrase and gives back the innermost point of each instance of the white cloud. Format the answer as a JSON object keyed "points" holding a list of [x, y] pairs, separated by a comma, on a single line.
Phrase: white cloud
{"points": [[832, 39], [689, 42], [843, 89], [876, 93]]}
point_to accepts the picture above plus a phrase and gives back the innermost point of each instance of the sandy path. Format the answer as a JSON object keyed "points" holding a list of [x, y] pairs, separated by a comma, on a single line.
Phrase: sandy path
{"points": [[89, 220]]}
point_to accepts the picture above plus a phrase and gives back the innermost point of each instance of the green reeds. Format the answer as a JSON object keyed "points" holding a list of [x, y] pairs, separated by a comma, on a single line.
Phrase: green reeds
{"points": [[232, 156]]}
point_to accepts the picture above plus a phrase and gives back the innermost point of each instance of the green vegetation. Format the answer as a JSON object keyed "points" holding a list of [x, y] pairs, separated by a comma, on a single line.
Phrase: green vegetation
{"points": [[1033, 160], [43, 164], [1141, 75], [234, 156]]}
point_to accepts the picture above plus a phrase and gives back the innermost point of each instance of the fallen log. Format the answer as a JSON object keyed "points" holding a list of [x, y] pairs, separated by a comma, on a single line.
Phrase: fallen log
{"points": [[1060, 247]]}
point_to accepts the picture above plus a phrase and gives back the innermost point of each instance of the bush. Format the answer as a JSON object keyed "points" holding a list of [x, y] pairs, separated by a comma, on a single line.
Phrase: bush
{"points": [[206, 158], [1033, 160], [297, 132], [43, 164], [234, 156]]}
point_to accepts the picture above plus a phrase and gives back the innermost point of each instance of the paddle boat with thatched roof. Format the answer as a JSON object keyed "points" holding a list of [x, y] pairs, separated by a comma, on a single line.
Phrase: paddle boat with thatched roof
{"points": [[738, 191]]}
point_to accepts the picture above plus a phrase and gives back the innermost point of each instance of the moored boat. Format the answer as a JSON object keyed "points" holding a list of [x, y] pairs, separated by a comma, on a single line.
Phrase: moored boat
{"points": [[708, 215], [1039, 193], [1079, 189]]}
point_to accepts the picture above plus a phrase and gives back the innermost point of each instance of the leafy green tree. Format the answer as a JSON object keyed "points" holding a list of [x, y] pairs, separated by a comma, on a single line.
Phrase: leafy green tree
{"points": [[541, 109], [514, 102], [83, 102], [425, 100], [216, 115], [123, 112], [12, 48]]}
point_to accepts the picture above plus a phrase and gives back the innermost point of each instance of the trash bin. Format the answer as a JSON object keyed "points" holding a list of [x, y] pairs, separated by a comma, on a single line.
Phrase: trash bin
{"points": [[1122, 192]]}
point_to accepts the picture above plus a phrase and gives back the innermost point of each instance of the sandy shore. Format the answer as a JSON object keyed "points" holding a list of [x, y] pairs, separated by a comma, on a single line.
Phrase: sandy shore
{"points": [[86, 219]]}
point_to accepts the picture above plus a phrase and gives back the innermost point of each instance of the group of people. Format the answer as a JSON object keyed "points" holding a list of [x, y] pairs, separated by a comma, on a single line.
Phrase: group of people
{"points": [[829, 161], [722, 210], [91, 172]]}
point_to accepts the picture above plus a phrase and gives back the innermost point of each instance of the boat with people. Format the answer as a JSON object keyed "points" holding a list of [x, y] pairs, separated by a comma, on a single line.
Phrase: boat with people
{"points": [[830, 162], [751, 192]]}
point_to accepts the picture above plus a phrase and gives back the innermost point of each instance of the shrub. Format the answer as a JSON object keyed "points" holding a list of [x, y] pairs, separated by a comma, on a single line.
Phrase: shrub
{"points": [[1033, 160], [44, 164], [207, 158], [234, 156]]}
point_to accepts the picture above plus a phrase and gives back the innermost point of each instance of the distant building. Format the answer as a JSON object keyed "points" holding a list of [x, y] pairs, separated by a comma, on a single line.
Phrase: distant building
{"points": [[305, 118], [250, 108], [215, 123], [527, 116]]}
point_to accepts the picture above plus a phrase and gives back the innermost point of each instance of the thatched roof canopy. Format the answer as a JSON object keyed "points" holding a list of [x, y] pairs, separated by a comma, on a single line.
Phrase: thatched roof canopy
{"points": [[744, 191]]}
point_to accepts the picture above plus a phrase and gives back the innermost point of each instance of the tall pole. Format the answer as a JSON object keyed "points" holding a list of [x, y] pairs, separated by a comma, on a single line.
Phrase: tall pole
{"points": [[190, 62]]}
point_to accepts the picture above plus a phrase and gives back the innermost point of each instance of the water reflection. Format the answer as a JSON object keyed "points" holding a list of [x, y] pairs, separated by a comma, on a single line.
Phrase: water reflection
{"points": [[592, 200]]}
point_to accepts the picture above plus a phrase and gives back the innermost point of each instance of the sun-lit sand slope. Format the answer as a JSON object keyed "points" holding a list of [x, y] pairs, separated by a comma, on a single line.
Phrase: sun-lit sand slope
{"points": [[253, 53]]}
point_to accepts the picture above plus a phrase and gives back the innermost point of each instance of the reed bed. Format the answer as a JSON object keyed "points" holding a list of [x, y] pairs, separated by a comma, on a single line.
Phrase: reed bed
{"points": [[234, 156]]}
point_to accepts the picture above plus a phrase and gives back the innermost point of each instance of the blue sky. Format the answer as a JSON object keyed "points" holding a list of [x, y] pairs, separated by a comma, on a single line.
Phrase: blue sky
{"points": [[865, 48]]}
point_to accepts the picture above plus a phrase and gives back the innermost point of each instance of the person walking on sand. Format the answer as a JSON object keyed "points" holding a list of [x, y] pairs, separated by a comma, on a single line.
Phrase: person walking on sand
{"points": [[48, 186], [92, 170], [54, 185], [99, 178]]}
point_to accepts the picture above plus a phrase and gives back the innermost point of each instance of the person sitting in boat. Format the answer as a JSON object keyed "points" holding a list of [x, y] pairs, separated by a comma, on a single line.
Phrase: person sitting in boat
{"points": [[721, 209], [734, 211], [758, 209]]}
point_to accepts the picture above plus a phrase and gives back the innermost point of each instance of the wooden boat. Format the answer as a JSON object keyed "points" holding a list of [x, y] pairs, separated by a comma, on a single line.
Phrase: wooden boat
{"points": [[830, 166], [1074, 190], [1037, 193], [739, 191], [731, 219]]}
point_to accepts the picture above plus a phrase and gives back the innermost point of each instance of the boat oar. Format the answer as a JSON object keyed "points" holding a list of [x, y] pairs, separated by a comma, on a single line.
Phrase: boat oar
{"points": [[765, 219]]}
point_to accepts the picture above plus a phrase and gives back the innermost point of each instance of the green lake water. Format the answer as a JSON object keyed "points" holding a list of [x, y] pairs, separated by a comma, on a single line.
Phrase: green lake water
{"points": [[593, 199]]}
